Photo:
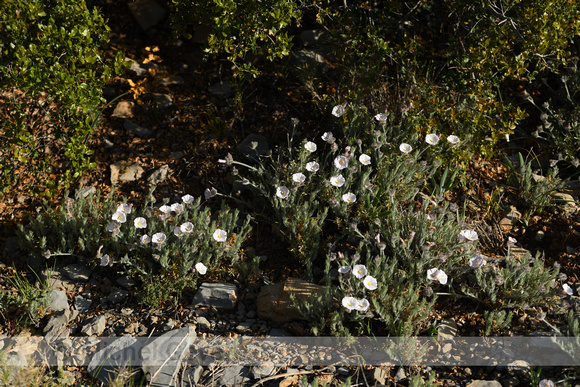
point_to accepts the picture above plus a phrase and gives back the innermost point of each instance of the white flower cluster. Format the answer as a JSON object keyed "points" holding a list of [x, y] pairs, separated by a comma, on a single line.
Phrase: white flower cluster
{"points": [[369, 282]]}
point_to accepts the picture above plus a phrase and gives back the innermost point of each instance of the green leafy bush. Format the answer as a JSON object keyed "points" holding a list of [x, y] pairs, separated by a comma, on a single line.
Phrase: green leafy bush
{"points": [[52, 72]]}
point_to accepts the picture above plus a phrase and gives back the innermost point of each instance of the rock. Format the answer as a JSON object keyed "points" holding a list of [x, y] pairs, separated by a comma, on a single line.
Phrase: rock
{"points": [[124, 109], [191, 376], [511, 218], [308, 58], [171, 80], [54, 279], [518, 365], [312, 37], [162, 357], [254, 147], [58, 301], [158, 175], [107, 144], [117, 296], [221, 90], [95, 326], [137, 130], [484, 383], [263, 369], [203, 323], [168, 325], [82, 305], [125, 171], [234, 376], [57, 325], [147, 13], [244, 326], [380, 375], [220, 296], [566, 203], [162, 100], [539, 236], [121, 355], [400, 375], [447, 329], [77, 272], [274, 301]]}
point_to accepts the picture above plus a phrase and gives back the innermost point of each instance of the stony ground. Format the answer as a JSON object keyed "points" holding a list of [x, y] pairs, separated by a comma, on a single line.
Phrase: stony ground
{"points": [[181, 114]]}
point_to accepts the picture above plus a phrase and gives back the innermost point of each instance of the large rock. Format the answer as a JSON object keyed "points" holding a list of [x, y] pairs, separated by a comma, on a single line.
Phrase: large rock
{"points": [[124, 109], [220, 296], [121, 355], [125, 171], [275, 303]]}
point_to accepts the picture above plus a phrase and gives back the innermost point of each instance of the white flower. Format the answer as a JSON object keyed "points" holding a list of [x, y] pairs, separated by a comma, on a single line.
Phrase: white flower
{"points": [[298, 177], [177, 231], [310, 146], [364, 159], [328, 137], [381, 117], [187, 227], [124, 208], [344, 269], [359, 271], [220, 235], [177, 208], [477, 261], [105, 260], [341, 162], [201, 268], [567, 289], [362, 305], [209, 193], [349, 197], [512, 241], [405, 148], [507, 137], [187, 199], [282, 192], [338, 110], [435, 274], [453, 139], [119, 217], [337, 181], [158, 238], [546, 383], [165, 209], [432, 139], [145, 239], [312, 166], [469, 235], [370, 282], [140, 222], [349, 303], [112, 226]]}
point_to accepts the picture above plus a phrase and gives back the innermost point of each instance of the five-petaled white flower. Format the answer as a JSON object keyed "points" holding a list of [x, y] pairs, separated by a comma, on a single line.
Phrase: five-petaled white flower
{"points": [[546, 383], [344, 269], [469, 235], [124, 208], [341, 162], [349, 303], [282, 192], [365, 159], [177, 231], [435, 274], [187, 199], [405, 148], [105, 260], [201, 268], [381, 117], [187, 227], [453, 139], [338, 110], [158, 238], [567, 289], [328, 137], [477, 261], [359, 271], [312, 166], [119, 217], [310, 146], [432, 139], [298, 177], [370, 282], [112, 226], [140, 222], [337, 181], [220, 235], [349, 197], [362, 305], [177, 208], [165, 209], [512, 241], [145, 239]]}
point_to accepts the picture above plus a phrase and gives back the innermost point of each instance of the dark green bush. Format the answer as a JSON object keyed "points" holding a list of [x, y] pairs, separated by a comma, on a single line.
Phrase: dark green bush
{"points": [[52, 72]]}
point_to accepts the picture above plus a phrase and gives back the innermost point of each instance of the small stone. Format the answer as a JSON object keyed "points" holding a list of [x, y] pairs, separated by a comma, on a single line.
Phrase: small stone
{"points": [[82, 305], [117, 296], [58, 301], [263, 369], [168, 325], [57, 324], [125, 171], [539, 235], [400, 375], [343, 371], [191, 376], [221, 89], [447, 328], [95, 326], [158, 175], [511, 218], [244, 326], [235, 376], [107, 144], [124, 109], [380, 375], [77, 272], [137, 130], [203, 323], [171, 80]]}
